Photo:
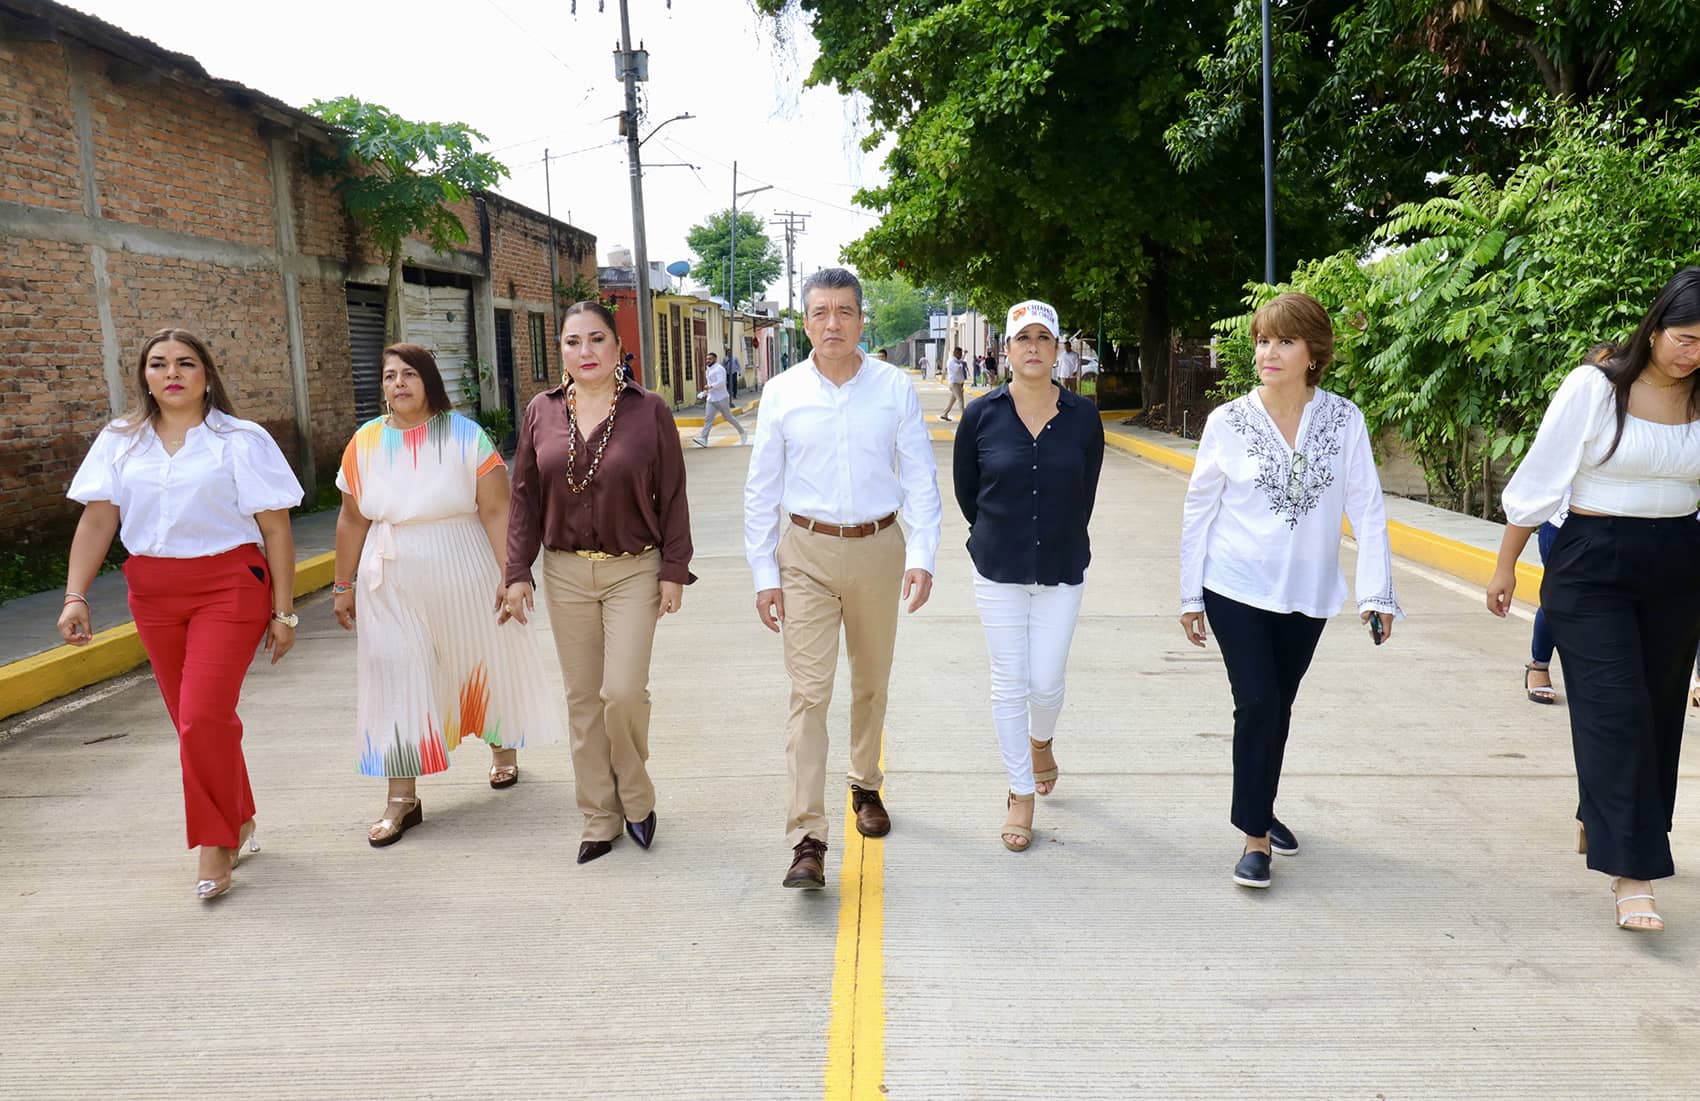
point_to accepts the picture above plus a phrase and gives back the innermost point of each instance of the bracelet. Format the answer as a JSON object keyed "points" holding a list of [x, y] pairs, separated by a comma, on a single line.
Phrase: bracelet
{"points": [[77, 597], [339, 587]]}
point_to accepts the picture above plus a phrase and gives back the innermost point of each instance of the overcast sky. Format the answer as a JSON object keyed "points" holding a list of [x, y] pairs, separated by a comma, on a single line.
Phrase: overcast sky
{"points": [[530, 74]]}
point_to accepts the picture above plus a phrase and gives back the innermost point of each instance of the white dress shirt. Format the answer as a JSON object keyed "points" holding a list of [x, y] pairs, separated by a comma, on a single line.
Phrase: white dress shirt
{"points": [[715, 383], [198, 502], [1262, 520], [956, 371], [1654, 472], [1068, 365], [841, 455]]}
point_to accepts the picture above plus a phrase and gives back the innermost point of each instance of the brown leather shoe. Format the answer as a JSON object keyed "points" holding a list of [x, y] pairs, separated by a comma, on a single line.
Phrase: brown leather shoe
{"points": [[808, 865], [871, 817]]}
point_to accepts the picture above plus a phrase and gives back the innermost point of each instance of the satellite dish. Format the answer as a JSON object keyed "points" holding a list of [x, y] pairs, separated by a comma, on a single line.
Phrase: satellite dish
{"points": [[679, 268]]}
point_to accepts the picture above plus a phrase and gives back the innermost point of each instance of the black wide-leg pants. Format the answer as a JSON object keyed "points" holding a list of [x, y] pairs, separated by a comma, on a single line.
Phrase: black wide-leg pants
{"points": [[1623, 598], [1267, 654]]}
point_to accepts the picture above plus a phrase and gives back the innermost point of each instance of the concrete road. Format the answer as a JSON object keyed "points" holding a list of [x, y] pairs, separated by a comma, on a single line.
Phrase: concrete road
{"points": [[1435, 939]]}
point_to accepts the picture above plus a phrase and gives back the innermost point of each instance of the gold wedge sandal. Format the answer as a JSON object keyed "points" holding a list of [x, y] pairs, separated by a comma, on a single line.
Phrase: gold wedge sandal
{"points": [[1044, 767], [1012, 828]]}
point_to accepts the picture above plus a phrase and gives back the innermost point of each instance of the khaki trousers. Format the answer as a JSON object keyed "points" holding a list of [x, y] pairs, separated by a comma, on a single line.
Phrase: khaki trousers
{"points": [[603, 617], [827, 583]]}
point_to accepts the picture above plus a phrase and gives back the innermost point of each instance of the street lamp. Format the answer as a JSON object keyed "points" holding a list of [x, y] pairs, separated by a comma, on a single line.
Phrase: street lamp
{"points": [[1268, 152]]}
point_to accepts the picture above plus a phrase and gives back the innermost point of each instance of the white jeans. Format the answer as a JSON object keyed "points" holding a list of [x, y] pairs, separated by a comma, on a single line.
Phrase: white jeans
{"points": [[1028, 632]]}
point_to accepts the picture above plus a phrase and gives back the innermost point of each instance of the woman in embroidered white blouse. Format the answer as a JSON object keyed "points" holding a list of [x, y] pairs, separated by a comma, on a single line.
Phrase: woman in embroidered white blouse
{"points": [[1260, 549], [195, 494], [1620, 590]]}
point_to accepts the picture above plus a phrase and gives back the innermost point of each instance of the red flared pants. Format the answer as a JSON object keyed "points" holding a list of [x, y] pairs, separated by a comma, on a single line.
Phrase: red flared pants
{"points": [[200, 620]]}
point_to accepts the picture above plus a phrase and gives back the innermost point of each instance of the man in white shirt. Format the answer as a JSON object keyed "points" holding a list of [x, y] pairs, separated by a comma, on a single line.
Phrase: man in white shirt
{"points": [[718, 403], [1068, 367], [840, 448], [956, 374]]}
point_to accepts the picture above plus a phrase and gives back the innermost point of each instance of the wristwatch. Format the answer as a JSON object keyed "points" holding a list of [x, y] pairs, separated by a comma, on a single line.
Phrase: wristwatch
{"points": [[288, 619]]}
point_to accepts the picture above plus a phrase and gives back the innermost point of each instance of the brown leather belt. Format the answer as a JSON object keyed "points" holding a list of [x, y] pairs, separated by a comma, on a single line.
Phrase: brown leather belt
{"points": [[852, 531]]}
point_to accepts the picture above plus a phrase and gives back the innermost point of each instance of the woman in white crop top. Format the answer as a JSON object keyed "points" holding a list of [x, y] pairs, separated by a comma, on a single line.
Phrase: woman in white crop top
{"points": [[195, 494], [1620, 589]]}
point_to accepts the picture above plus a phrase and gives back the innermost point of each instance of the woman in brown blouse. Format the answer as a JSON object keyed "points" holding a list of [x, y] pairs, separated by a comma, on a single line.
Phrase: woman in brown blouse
{"points": [[599, 483]]}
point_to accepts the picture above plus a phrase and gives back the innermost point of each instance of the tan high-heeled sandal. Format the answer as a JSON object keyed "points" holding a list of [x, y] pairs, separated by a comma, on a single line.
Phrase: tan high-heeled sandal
{"points": [[1012, 828], [1044, 766], [388, 829], [1581, 837], [505, 776]]}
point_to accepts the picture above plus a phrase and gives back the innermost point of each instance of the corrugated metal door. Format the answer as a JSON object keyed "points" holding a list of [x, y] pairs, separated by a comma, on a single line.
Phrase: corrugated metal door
{"points": [[440, 319], [366, 345]]}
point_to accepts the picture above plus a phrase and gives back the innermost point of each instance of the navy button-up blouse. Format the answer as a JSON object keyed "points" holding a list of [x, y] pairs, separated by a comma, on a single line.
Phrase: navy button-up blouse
{"points": [[1028, 500]]}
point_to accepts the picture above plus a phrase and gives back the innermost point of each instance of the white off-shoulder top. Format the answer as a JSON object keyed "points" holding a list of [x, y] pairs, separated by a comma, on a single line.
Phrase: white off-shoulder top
{"points": [[1655, 471]]}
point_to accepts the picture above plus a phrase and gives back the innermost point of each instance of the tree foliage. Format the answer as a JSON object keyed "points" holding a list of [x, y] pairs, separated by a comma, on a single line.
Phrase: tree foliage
{"points": [[396, 178], [1374, 97], [1476, 303], [1028, 155], [895, 309], [760, 261]]}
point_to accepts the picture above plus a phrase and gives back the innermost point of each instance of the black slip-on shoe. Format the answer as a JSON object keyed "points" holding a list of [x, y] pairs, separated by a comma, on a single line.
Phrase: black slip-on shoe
{"points": [[643, 832], [1252, 870], [1281, 839], [593, 850]]}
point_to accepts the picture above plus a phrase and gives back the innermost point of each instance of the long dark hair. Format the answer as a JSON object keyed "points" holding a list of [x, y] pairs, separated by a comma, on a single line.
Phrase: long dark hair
{"points": [[146, 409], [1677, 304], [421, 360]]}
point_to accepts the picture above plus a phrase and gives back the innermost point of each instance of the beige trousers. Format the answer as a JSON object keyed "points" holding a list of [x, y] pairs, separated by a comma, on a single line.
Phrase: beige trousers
{"points": [[603, 617], [829, 583]]}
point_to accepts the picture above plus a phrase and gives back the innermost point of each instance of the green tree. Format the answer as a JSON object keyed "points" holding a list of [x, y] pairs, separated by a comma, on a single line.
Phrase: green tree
{"points": [[895, 309], [396, 178], [1028, 157], [759, 261], [1376, 97]]}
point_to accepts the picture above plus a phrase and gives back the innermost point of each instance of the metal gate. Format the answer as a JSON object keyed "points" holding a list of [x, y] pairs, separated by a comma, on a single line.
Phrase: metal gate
{"points": [[366, 348]]}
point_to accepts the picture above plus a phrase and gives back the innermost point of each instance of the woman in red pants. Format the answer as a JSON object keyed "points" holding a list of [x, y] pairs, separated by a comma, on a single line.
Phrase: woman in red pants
{"points": [[195, 494]]}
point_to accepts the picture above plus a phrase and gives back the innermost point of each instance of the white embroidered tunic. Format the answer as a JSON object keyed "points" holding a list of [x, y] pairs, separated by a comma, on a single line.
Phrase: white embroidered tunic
{"points": [[1654, 472], [1262, 519]]}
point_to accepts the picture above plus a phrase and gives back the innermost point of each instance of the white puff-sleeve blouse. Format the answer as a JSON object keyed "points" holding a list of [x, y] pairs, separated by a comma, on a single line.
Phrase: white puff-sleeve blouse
{"points": [[1654, 472], [198, 502], [1262, 520]]}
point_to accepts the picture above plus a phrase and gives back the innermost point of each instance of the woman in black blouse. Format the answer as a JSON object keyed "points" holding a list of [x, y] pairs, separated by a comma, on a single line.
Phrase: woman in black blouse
{"points": [[1026, 463]]}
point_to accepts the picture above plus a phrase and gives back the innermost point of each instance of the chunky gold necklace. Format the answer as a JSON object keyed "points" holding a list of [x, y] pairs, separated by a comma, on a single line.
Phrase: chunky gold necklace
{"points": [[601, 443]]}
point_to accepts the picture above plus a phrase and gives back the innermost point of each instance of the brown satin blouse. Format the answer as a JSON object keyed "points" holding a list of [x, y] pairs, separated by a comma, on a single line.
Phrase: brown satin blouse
{"points": [[636, 501]]}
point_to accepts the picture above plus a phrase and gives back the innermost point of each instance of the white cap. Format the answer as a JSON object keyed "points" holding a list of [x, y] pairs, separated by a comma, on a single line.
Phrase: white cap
{"points": [[1031, 312]]}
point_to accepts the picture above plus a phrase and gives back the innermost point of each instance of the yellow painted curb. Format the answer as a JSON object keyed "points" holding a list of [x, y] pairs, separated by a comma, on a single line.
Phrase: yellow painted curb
{"points": [[855, 1033], [35, 680], [1472, 564]]}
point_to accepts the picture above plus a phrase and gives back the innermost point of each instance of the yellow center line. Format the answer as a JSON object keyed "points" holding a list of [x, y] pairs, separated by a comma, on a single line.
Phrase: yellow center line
{"points": [[855, 1033]]}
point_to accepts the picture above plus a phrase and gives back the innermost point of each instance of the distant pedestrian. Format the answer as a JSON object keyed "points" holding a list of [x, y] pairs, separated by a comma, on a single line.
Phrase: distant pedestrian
{"points": [[734, 374], [717, 403], [599, 485], [421, 548], [201, 501], [1276, 470], [1026, 464], [1068, 368], [1620, 589], [840, 448], [956, 377]]}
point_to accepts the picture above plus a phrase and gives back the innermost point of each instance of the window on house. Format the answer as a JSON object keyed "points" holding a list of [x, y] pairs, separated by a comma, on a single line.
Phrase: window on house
{"points": [[539, 347], [666, 360]]}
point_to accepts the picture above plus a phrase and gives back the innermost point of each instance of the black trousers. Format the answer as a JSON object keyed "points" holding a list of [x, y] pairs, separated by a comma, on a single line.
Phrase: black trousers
{"points": [[1623, 598], [1267, 654]]}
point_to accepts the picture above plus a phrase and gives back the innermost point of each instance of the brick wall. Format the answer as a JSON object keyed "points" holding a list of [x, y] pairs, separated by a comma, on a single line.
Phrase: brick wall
{"points": [[186, 226]]}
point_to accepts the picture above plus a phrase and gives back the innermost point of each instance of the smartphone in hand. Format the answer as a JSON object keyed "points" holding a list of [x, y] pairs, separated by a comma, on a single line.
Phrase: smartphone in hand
{"points": [[1375, 628]]}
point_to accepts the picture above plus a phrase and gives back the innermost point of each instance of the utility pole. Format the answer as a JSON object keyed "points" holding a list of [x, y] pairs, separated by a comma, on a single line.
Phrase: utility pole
{"points": [[794, 223], [554, 276], [627, 65], [1268, 153]]}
